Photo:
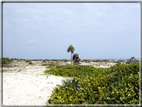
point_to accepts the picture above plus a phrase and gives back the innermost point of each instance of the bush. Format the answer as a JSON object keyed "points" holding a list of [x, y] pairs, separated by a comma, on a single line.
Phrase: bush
{"points": [[28, 60], [120, 61], [132, 60], [6, 60], [54, 60], [75, 55], [106, 60], [116, 85], [86, 61], [47, 59], [113, 61], [44, 61], [97, 61], [44, 65], [51, 64], [65, 60], [35, 60]]}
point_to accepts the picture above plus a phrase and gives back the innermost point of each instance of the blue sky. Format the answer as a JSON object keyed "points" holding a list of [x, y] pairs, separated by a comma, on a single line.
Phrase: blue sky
{"points": [[96, 30]]}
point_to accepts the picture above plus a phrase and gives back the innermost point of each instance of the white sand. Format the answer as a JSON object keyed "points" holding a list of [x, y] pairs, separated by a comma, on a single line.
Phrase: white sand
{"points": [[29, 86]]}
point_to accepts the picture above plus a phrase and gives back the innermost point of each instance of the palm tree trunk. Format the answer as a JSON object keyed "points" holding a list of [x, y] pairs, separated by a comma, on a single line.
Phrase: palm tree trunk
{"points": [[71, 58]]}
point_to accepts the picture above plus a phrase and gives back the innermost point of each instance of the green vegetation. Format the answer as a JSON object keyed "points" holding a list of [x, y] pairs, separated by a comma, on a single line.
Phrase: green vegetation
{"points": [[132, 60], [65, 60], [4, 71], [113, 61], [71, 49], [54, 59], [47, 59], [6, 60], [51, 64], [35, 60], [44, 65], [70, 70], [75, 55], [97, 60], [27, 60], [44, 61], [86, 61], [120, 61], [72, 83], [106, 60], [118, 84], [76, 58]]}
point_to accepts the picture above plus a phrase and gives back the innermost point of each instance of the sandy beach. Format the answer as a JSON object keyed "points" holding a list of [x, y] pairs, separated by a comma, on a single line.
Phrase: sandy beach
{"points": [[28, 85]]}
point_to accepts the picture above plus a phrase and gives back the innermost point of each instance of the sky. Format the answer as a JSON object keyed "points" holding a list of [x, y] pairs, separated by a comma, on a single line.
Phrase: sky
{"points": [[96, 30]]}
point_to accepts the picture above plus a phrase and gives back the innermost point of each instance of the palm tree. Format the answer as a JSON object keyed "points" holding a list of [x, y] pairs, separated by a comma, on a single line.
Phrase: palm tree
{"points": [[71, 49]]}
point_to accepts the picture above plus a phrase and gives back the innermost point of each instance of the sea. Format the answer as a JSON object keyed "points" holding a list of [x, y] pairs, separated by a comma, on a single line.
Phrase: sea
{"points": [[125, 59], [111, 59]]}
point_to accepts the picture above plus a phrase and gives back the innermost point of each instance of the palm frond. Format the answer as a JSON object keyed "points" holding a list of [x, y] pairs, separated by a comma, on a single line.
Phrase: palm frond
{"points": [[71, 48]]}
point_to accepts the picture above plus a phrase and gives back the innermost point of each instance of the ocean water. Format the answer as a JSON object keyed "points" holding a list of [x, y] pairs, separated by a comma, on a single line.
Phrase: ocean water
{"points": [[94, 59], [112, 59], [106, 59]]}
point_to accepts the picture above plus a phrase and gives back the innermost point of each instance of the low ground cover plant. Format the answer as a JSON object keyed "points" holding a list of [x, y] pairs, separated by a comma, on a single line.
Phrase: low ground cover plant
{"points": [[118, 84], [73, 70], [51, 64]]}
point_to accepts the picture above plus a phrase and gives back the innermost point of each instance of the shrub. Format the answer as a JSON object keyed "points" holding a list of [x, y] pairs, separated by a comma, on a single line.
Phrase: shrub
{"points": [[55, 60], [44, 65], [116, 85], [76, 58], [75, 55], [120, 61], [132, 60], [52, 64], [113, 61], [86, 60], [47, 59], [35, 60], [65, 60], [6, 60], [30, 62], [97, 61], [44, 61], [106, 60]]}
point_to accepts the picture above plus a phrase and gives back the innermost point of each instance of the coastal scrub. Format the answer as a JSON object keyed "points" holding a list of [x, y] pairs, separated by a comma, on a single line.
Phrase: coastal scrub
{"points": [[116, 85]]}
